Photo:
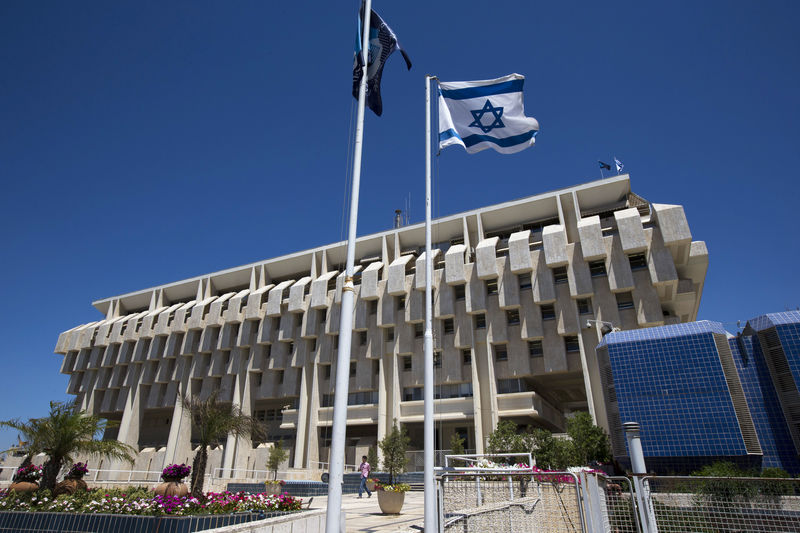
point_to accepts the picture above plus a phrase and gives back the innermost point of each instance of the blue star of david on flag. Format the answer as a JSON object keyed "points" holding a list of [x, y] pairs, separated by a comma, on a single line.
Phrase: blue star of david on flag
{"points": [[477, 114], [485, 114]]}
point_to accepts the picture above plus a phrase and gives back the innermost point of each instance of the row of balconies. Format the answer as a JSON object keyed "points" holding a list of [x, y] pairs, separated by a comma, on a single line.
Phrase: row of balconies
{"points": [[305, 293]]}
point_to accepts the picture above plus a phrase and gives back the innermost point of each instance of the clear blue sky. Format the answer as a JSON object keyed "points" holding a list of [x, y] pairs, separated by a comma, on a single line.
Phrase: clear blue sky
{"points": [[147, 142]]}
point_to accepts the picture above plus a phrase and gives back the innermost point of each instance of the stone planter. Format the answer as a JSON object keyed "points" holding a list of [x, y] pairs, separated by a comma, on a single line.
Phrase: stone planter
{"points": [[172, 487], [24, 486], [391, 502], [70, 485], [370, 485], [274, 489]]}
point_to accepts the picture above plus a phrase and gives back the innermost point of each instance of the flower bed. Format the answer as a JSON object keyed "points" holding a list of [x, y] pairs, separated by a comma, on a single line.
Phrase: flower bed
{"points": [[137, 501], [397, 487]]}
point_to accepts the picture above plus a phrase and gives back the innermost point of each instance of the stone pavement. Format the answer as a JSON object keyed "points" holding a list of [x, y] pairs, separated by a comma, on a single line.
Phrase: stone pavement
{"points": [[365, 515]]}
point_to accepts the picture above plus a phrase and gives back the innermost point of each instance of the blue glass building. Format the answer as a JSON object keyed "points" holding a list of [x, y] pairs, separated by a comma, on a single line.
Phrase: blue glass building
{"points": [[702, 395]]}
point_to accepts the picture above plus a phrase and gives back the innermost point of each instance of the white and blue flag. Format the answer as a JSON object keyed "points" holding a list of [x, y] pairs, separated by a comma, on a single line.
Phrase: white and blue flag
{"points": [[485, 114], [619, 165]]}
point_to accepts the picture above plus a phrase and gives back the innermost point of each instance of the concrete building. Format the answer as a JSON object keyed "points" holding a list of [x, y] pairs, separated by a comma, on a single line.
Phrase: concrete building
{"points": [[703, 395], [516, 285]]}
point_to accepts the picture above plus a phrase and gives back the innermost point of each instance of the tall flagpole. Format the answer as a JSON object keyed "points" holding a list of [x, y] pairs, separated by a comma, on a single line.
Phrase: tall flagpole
{"points": [[336, 472], [431, 523]]}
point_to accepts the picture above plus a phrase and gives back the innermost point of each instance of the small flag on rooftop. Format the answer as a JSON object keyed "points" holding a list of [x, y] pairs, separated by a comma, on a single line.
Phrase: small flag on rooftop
{"points": [[485, 114], [604, 166], [619, 164], [382, 42]]}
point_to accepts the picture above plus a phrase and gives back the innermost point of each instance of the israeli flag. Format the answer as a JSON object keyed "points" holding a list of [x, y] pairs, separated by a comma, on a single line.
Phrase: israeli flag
{"points": [[619, 165], [485, 114]]}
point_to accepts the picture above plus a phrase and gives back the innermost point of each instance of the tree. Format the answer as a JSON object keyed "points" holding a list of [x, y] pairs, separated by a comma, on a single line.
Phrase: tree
{"points": [[551, 453], [394, 447], [277, 455], [456, 444], [372, 457], [213, 422], [29, 431], [506, 438], [590, 441], [65, 433]]}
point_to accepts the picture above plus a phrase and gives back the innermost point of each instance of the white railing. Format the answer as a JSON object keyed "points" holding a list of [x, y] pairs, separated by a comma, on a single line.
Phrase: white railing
{"points": [[473, 460], [324, 466]]}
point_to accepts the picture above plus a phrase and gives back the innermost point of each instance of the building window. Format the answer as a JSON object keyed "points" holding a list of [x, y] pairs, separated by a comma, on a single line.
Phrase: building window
{"points": [[508, 386], [466, 356], [584, 306], [373, 307], [637, 261], [280, 377], [560, 274], [449, 325], [352, 369], [460, 292], [597, 268], [491, 286], [437, 359], [406, 362], [411, 394], [312, 345], [512, 317], [571, 343], [624, 300], [548, 312], [323, 316], [453, 390], [524, 282], [500, 352], [419, 329], [389, 334], [535, 349], [257, 378], [362, 338], [327, 371], [401, 302], [480, 321]]}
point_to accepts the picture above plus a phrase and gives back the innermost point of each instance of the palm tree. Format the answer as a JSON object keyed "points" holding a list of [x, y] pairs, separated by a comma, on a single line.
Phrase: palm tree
{"points": [[66, 432], [29, 431], [213, 422]]}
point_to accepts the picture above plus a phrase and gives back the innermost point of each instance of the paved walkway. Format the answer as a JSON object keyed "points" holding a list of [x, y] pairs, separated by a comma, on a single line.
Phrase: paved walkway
{"points": [[365, 515]]}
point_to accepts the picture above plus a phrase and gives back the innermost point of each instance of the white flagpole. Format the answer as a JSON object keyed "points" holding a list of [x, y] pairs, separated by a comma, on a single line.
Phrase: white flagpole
{"points": [[431, 523], [336, 472]]}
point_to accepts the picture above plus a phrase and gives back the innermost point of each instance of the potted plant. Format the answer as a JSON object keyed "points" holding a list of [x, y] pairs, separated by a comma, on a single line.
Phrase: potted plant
{"points": [[277, 455], [393, 446], [173, 484], [26, 479], [73, 481]]}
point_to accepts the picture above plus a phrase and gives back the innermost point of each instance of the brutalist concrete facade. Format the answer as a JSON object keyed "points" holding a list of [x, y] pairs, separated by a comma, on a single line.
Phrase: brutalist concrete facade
{"points": [[516, 285]]}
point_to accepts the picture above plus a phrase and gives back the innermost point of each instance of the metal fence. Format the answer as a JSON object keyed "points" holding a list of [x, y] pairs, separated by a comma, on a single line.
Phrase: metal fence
{"points": [[706, 504], [97, 523], [510, 502]]}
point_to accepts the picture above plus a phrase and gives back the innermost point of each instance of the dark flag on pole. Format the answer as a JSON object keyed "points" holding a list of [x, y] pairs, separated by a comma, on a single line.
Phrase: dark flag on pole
{"points": [[604, 166], [382, 42]]}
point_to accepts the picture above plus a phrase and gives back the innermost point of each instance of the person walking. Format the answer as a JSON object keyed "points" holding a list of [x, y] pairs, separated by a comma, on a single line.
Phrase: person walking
{"points": [[365, 469]]}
